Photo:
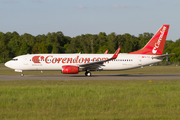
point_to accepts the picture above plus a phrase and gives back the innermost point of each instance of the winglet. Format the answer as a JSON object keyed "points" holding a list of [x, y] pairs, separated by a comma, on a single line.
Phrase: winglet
{"points": [[106, 52], [116, 53]]}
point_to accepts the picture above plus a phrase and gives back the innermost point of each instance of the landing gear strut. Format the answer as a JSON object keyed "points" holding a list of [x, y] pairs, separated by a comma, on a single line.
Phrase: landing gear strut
{"points": [[87, 73], [22, 74]]}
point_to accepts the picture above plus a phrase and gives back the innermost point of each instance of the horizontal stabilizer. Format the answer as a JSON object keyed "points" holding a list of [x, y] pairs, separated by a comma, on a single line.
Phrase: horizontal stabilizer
{"points": [[162, 56]]}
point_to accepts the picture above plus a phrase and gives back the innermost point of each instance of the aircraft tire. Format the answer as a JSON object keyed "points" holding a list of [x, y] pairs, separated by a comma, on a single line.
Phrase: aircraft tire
{"points": [[88, 74], [22, 74]]}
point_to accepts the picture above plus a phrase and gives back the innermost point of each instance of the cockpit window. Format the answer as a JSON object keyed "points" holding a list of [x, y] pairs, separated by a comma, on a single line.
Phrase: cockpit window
{"points": [[14, 59]]}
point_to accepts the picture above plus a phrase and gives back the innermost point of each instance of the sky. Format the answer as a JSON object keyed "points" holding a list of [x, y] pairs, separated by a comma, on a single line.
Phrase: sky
{"points": [[76, 17]]}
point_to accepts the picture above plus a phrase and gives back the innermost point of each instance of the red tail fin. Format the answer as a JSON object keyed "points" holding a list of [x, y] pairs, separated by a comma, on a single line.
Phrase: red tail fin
{"points": [[156, 45]]}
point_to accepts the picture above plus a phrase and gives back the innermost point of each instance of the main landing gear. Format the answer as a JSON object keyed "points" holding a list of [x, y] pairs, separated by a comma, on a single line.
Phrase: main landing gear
{"points": [[87, 73]]}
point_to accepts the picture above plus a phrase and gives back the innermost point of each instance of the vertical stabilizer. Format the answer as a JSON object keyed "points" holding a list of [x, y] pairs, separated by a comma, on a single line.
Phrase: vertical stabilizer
{"points": [[156, 45]]}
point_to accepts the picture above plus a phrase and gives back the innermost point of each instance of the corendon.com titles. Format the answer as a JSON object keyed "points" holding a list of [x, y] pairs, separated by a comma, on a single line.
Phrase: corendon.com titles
{"points": [[50, 59]]}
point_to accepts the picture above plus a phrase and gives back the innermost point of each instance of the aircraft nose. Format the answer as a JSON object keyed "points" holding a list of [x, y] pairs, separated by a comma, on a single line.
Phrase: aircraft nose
{"points": [[8, 64]]}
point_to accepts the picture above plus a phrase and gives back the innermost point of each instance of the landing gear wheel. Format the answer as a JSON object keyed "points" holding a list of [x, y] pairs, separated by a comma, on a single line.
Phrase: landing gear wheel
{"points": [[87, 73], [22, 74]]}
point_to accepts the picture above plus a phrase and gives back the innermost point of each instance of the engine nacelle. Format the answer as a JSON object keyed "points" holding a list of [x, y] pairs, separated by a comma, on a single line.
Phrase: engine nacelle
{"points": [[69, 69]]}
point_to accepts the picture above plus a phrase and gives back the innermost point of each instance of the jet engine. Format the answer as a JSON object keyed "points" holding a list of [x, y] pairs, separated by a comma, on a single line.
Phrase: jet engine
{"points": [[69, 69]]}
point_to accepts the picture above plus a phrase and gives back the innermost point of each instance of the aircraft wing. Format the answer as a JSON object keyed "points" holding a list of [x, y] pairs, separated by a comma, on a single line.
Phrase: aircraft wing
{"points": [[162, 56], [106, 52], [100, 63]]}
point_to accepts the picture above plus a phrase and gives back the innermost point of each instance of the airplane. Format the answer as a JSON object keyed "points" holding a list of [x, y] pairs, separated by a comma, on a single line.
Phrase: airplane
{"points": [[74, 63]]}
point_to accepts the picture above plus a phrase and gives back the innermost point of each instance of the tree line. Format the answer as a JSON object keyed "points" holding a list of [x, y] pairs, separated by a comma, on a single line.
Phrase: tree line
{"points": [[12, 44]]}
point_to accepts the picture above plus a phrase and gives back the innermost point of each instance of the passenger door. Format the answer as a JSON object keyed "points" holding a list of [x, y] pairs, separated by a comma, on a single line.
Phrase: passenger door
{"points": [[140, 60], [25, 61]]}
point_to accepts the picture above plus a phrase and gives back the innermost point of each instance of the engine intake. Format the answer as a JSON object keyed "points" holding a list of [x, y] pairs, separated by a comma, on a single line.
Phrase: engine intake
{"points": [[69, 69]]}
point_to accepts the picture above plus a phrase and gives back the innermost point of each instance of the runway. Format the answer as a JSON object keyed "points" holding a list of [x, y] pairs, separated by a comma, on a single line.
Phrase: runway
{"points": [[94, 77]]}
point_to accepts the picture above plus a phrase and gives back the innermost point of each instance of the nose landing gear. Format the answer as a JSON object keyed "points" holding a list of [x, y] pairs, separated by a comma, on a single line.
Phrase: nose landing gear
{"points": [[22, 74]]}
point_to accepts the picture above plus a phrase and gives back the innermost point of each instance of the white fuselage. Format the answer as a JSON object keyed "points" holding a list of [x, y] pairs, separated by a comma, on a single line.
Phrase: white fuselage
{"points": [[56, 61]]}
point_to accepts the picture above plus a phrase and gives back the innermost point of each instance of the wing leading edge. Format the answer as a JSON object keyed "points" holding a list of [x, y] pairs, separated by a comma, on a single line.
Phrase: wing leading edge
{"points": [[100, 63]]}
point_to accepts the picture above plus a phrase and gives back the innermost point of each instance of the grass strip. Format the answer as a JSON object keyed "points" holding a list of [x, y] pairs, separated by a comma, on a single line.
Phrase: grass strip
{"points": [[110, 99]]}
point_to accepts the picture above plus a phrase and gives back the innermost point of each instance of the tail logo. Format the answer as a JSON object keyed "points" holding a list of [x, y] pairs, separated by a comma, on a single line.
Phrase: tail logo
{"points": [[156, 45]]}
